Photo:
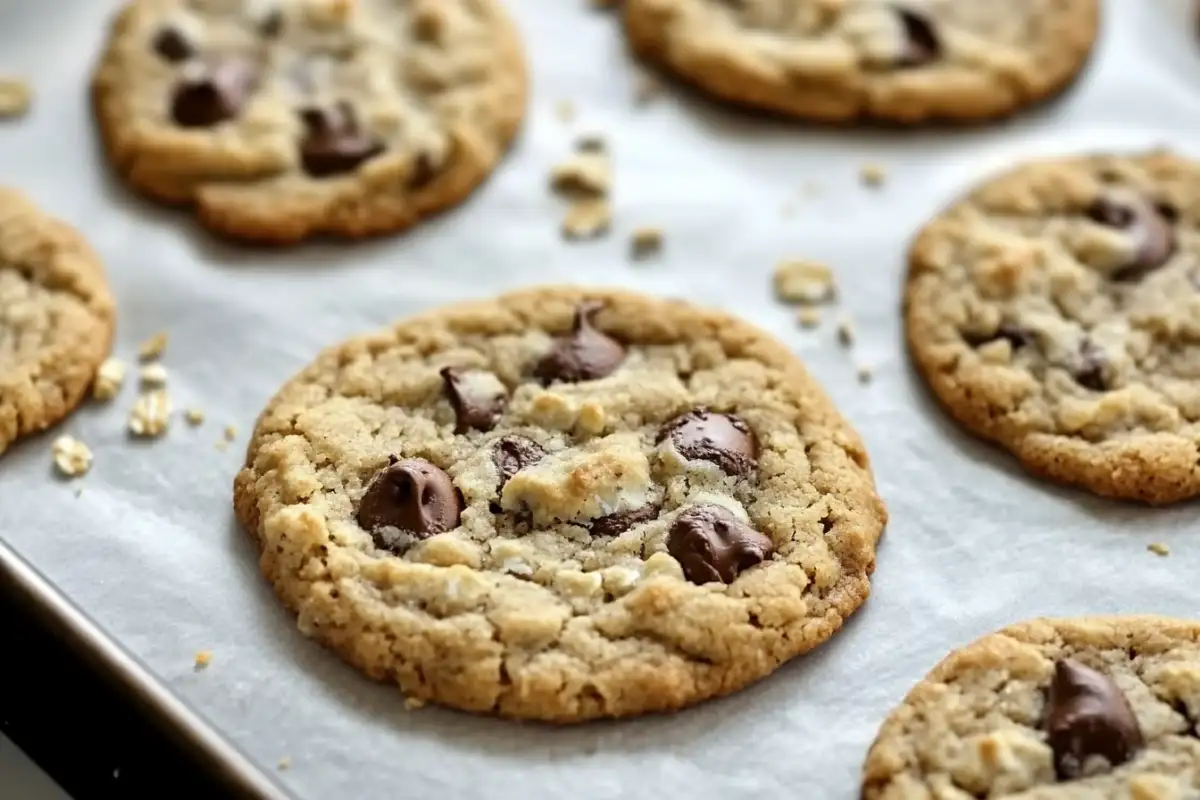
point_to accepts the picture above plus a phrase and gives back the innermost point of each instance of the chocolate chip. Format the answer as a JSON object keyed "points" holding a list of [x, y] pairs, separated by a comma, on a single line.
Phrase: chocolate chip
{"points": [[921, 43], [1093, 370], [616, 524], [513, 454], [172, 45], [584, 354], [723, 439], [713, 545], [478, 398], [214, 93], [412, 496], [1148, 227], [1088, 715], [334, 143]]}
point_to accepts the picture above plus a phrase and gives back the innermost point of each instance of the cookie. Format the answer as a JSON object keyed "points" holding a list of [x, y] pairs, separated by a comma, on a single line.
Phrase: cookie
{"points": [[903, 62], [283, 119], [1101, 708], [1053, 310], [56, 318], [562, 504]]}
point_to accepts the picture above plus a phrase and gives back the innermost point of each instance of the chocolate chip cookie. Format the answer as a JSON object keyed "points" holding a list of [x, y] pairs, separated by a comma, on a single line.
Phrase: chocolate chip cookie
{"points": [[56, 318], [1103, 708], [562, 505], [841, 60], [1054, 310], [282, 119]]}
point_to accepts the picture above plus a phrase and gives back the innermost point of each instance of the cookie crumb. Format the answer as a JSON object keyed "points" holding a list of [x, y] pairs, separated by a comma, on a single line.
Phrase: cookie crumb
{"points": [[284, 764], [413, 703], [15, 97], [222, 446], [153, 347], [645, 242], [865, 373], [591, 143], [203, 659], [79, 492], [587, 172], [109, 379], [71, 456], [873, 176], [648, 87], [809, 316], [230, 433], [565, 111], [845, 332], [153, 375], [807, 282], [194, 417], [151, 414], [587, 218], [1159, 549]]}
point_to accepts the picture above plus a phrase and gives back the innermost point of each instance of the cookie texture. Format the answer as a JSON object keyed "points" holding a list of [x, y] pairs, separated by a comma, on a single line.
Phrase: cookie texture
{"points": [[283, 119], [842, 60], [1054, 310], [56, 318], [562, 504], [1101, 708]]}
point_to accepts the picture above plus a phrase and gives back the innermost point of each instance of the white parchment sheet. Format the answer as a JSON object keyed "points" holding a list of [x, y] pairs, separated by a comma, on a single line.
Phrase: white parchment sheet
{"points": [[152, 551]]}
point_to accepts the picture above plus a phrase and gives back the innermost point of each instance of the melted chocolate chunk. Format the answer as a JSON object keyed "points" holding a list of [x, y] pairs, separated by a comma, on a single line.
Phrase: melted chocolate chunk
{"points": [[584, 354], [1094, 369], [1088, 715], [713, 545], [334, 143], [921, 42], [513, 454], [172, 45], [616, 524], [214, 93], [412, 496], [1149, 229], [722, 439], [478, 407]]}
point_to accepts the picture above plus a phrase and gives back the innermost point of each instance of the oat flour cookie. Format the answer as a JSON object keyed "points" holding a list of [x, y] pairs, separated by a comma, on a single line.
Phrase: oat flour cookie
{"points": [[56, 318], [838, 60], [1102, 708], [562, 505], [280, 119], [1056, 310]]}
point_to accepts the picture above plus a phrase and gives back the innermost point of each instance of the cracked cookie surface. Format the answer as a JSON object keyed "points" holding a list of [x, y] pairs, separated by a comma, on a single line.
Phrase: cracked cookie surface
{"points": [[841, 60], [1054, 310], [1101, 708], [283, 119], [562, 504], [56, 318]]}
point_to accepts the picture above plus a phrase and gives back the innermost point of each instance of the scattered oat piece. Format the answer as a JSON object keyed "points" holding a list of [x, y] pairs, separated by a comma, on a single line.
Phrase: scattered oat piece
{"points": [[109, 378], [151, 414], [153, 347], [153, 375], [203, 659], [865, 373], [872, 175], [71, 456], [15, 97], [194, 417], [809, 316], [587, 218], [645, 242], [845, 332], [285, 763], [807, 282], [222, 446], [413, 703], [591, 143], [648, 88], [1159, 549], [587, 172], [230, 433], [565, 111]]}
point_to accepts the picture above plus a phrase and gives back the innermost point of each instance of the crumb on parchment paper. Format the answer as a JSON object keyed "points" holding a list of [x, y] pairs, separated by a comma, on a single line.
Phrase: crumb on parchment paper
{"points": [[587, 218], [153, 347], [644, 242], [285, 763], [153, 375], [72, 457], [194, 417], [845, 332], [588, 172], [865, 373], [16, 96], [1159, 549], [230, 433], [203, 659], [151, 415], [803, 281], [809, 316], [873, 176], [565, 111]]}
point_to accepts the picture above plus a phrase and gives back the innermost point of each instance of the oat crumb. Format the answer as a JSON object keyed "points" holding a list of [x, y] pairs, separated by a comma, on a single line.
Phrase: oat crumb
{"points": [[591, 143], [807, 282], [587, 218], [109, 379], [872, 175], [285, 763], [809, 316], [230, 433], [865, 373], [413, 703], [15, 97], [645, 242], [151, 414], [222, 446], [1159, 549], [194, 417], [203, 659], [565, 111], [72, 457], [153, 347], [153, 376], [586, 172], [845, 332]]}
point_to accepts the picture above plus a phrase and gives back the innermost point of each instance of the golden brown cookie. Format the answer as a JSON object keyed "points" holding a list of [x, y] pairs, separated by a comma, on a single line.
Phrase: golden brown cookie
{"points": [[1099, 708], [56, 318], [283, 119], [841, 60], [562, 504]]}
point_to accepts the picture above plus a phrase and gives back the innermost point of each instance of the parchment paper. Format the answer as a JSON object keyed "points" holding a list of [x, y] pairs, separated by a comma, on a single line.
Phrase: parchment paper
{"points": [[151, 549]]}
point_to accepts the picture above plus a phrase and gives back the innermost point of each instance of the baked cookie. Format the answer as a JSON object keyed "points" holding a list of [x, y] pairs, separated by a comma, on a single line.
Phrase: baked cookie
{"points": [[56, 318], [562, 504], [1056, 310], [840, 60], [281, 119], [1102, 708]]}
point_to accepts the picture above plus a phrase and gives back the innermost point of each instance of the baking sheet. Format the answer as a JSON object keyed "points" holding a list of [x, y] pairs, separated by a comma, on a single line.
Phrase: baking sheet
{"points": [[151, 550]]}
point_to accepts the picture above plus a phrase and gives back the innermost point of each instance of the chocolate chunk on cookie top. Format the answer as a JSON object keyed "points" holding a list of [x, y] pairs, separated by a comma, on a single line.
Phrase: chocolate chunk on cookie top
{"points": [[1053, 310], [56, 318], [568, 504], [1098, 708], [905, 61], [293, 119]]}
